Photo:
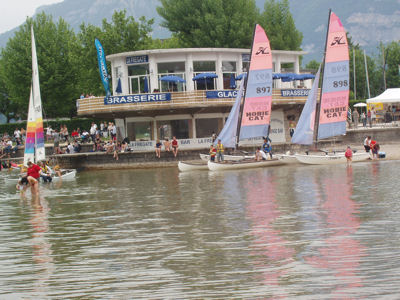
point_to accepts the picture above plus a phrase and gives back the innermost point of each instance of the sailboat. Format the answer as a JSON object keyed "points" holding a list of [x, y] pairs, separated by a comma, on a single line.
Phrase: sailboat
{"points": [[34, 144], [252, 118], [328, 119]]}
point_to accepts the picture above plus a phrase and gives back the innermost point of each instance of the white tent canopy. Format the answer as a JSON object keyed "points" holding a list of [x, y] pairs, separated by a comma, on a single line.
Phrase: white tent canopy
{"points": [[388, 96]]}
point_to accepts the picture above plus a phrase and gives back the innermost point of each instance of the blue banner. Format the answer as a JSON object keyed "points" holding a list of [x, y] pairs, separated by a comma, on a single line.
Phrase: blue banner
{"points": [[140, 98], [295, 93], [101, 58], [221, 94]]}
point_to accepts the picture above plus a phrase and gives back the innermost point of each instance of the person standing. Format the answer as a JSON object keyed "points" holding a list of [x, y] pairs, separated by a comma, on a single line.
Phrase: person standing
{"points": [[220, 151], [369, 118], [373, 115], [267, 147], [349, 155], [364, 119], [213, 152], [356, 117]]}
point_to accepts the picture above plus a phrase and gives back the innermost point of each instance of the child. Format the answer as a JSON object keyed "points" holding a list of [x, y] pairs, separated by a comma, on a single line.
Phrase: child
{"points": [[349, 155]]}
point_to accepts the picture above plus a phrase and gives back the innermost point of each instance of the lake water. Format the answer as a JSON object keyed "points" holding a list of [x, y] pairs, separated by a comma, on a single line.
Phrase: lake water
{"points": [[306, 232]]}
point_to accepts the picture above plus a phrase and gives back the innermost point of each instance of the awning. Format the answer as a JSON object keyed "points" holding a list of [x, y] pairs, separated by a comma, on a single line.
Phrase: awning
{"points": [[388, 96], [204, 76]]}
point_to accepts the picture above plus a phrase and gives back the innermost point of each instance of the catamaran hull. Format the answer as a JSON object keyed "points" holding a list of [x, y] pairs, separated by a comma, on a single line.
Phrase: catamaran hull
{"points": [[329, 159], [206, 157], [287, 159], [66, 175], [192, 166], [215, 166]]}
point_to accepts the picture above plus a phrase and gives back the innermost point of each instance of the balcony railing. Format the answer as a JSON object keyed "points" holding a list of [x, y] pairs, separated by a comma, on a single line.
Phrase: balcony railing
{"points": [[178, 100]]}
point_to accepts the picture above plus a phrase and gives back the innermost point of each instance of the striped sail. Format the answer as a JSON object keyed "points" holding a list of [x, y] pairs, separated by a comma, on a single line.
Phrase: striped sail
{"points": [[335, 87], [256, 114], [29, 154], [304, 133], [34, 144]]}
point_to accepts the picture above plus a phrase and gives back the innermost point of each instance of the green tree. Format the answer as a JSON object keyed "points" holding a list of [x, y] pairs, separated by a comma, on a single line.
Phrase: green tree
{"points": [[392, 59], [279, 25], [210, 23], [56, 71], [121, 35], [313, 65]]}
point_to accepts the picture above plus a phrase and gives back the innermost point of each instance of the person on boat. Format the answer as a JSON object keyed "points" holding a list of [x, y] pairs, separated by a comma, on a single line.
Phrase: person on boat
{"points": [[220, 151], [367, 143], [174, 144], [28, 181], [57, 171], [267, 147], [258, 155], [213, 152], [158, 148], [33, 170], [349, 155], [45, 174]]}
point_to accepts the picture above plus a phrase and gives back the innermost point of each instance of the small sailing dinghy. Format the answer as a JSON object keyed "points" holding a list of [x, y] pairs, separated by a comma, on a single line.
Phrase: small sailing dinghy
{"points": [[328, 117], [252, 118], [34, 144]]}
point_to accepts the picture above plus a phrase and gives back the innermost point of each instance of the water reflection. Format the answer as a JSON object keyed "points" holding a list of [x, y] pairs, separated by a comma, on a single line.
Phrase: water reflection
{"points": [[269, 249], [42, 252], [312, 232], [338, 253]]}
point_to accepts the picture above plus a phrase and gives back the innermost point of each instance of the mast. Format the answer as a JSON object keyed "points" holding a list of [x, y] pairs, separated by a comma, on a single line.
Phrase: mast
{"points": [[354, 74], [245, 89], [318, 109], [366, 74]]}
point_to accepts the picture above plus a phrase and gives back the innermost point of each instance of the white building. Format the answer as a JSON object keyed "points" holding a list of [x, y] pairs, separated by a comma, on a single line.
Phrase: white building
{"points": [[146, 108]]}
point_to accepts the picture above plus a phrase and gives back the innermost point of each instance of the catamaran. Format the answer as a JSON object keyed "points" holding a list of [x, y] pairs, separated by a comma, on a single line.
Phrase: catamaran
{"points": [[252, 118], [328, 118], [34, 144]]}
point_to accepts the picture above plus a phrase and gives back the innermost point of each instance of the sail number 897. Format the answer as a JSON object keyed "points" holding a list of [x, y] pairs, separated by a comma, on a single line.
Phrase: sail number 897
{"points": [[263, 90], [340, 83]]}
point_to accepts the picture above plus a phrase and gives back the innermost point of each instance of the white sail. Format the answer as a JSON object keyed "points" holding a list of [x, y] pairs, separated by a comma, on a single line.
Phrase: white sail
{"points": [[37, 103]]}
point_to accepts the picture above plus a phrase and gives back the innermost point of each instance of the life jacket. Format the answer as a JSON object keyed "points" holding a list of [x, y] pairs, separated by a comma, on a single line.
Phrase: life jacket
{"points": [[220, 147]]}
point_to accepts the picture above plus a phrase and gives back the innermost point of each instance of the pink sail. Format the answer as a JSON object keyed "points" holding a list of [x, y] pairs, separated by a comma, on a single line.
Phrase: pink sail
{"points": [[256, 113], [335, 88]]}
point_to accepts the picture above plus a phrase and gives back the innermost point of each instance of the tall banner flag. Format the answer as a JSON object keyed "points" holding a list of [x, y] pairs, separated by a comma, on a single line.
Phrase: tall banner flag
{"points": [[101, 58]]}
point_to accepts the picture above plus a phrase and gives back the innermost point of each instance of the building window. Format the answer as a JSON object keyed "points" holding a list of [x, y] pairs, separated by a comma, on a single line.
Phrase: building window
{"points": [[139, 131], [170, 128], [206, 127], [175, 69]]}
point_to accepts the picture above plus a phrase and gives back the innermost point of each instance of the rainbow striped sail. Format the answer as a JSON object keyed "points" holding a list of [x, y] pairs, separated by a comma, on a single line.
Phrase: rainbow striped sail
{"points": [[256, 114], [34, 144], [335, 87]]}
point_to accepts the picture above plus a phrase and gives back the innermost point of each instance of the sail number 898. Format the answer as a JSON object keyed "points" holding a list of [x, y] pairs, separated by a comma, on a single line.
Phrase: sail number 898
{"points": [[340, 83], [263, 90]]}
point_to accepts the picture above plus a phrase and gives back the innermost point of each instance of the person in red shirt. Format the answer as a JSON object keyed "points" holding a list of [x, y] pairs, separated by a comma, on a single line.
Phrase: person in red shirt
{"points": [[349, 155], [174, 146], [33, 170], [374, 148]]}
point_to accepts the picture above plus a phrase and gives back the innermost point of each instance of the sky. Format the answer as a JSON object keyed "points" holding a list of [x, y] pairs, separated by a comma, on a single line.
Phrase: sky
{"points": [[14, 12]]}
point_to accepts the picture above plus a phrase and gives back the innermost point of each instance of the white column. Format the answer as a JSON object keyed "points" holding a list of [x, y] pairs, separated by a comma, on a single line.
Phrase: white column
{"points": [[278, 70], [218, 66], [153, 74], [194, 133], [189, 72], [155, 129]]}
